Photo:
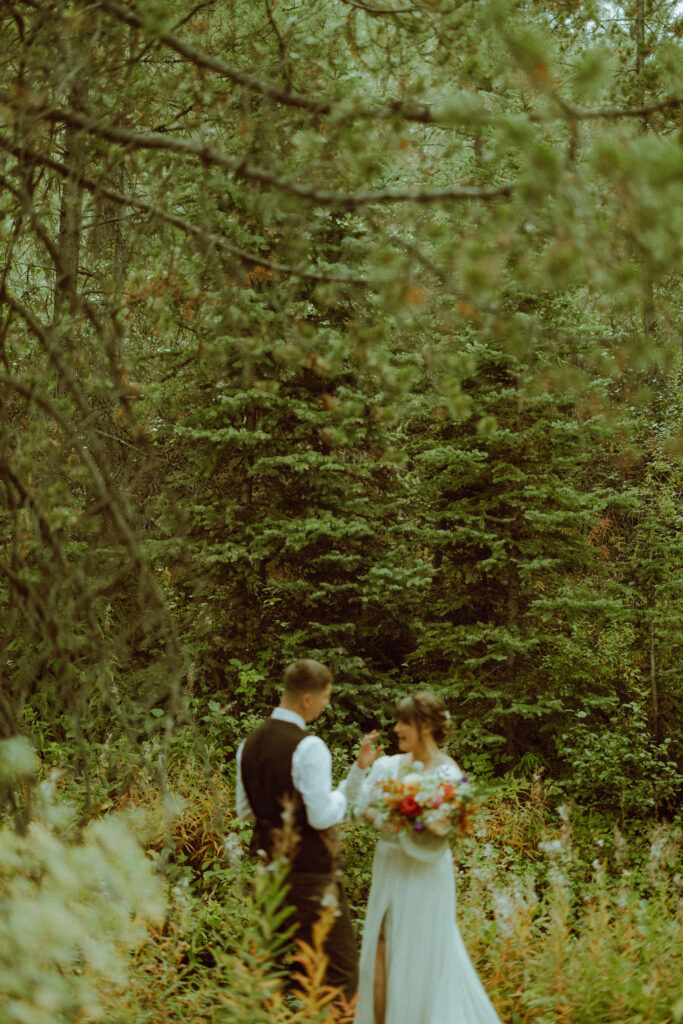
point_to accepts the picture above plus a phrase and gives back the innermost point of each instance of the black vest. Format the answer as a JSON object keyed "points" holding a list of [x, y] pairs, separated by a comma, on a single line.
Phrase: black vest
{"points": [[267, 777]]}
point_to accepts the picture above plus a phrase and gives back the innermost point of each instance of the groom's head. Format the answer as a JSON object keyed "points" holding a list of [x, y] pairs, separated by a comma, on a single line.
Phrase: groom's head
{"points": [[307, 685]]}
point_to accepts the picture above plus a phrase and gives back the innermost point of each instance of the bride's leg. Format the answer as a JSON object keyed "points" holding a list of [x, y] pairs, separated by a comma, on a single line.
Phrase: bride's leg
{"points": [[379, 992]]}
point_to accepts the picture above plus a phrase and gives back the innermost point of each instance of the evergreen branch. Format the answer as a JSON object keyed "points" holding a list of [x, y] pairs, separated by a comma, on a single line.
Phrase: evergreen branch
{"points": [[92, 459], [409, 112], [249, 172], [615, 113], [420, 113], [126, 199], [111, 499], [284, 60], [379, 10]]}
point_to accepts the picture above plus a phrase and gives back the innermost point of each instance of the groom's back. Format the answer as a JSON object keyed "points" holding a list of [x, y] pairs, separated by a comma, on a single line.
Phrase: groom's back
{"points": [[266, 767]]}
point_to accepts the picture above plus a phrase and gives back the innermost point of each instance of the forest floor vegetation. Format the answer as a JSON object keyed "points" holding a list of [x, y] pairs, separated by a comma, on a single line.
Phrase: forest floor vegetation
{"points": [[566, 918]]}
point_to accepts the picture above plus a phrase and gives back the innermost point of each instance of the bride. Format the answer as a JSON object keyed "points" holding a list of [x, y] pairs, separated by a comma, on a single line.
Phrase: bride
{"points": [[414, 968]]}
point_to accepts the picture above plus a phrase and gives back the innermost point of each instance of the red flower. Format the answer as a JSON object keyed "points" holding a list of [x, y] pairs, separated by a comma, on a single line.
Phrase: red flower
{"points": [[409, 807]]}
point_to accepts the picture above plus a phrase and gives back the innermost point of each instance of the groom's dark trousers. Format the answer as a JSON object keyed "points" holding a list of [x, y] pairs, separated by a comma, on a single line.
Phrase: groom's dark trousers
{"points": [[266, 768]]}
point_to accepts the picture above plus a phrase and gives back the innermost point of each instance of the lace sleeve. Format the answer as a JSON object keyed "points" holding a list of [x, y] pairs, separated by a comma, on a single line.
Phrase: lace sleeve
{"points": [[377, 774], [452, 772]]}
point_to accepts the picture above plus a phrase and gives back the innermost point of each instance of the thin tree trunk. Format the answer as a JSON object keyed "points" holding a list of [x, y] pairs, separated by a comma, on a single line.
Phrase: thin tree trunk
{"points": [[640, 35], [511, 620], [640, 57], [69, 239], [654, 684]]}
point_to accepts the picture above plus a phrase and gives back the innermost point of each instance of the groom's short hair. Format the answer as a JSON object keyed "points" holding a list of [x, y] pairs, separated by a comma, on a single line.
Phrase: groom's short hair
{"points": [[305, 676]]}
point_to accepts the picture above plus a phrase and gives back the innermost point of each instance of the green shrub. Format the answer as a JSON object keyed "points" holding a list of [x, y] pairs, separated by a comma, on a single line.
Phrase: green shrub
{"points": [[72, 906]]}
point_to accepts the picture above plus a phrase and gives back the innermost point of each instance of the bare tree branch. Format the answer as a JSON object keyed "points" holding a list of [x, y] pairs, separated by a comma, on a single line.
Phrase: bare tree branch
{"points": [[616, 113], [28, 499], [349, 110], [284, 59], [409, 112], [95, 464], [195, 10], [380, 10], [240, 167], [113, 503], [126, 199]]}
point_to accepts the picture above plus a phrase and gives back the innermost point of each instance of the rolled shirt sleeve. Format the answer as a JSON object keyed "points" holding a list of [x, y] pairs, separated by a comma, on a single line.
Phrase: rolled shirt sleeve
{"points": [[242, 805], [312, 776]]}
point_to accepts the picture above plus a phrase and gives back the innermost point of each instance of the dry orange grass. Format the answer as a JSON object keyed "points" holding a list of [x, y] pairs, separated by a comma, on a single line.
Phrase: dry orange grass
{"points": [[195, 829], [557, 941]]}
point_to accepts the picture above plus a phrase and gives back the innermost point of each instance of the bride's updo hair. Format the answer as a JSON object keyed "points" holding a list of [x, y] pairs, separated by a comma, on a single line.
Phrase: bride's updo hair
{"points": [[424, 708]]}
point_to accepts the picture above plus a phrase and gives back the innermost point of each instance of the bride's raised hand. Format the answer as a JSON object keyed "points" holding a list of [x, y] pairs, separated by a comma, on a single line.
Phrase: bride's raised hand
{"points": [[368, 752]]}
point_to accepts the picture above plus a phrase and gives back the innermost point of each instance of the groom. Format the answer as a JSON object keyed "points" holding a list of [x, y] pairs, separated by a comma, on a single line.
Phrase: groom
{"points": [[279, 765]]}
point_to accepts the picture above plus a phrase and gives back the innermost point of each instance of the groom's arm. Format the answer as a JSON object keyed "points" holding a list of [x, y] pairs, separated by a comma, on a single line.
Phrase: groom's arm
{"points": [[242, 805], [312, 777]]}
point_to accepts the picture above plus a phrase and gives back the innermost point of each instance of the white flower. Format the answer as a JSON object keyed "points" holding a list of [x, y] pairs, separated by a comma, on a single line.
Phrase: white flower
{"points": [[437, 820], [551, 846], [376, 817], [427, 792], [232, 849], [504, 911], [330, 900]]}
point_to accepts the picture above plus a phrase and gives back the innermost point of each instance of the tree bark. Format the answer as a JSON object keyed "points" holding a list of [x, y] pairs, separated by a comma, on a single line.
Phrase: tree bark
{"points": [[654, 684], [69, 238]]}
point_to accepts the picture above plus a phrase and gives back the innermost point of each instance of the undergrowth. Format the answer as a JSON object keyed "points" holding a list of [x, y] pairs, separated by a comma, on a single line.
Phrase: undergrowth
{"points": [[566, 922], [562, 925]]}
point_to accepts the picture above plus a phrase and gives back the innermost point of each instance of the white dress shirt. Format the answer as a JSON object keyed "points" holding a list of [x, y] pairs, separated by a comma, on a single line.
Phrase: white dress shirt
{"points": [[312, 777]]}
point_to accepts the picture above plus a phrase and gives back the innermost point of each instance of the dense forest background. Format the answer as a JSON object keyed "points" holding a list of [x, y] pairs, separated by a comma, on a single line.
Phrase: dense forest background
{"points": [[350, 330]]}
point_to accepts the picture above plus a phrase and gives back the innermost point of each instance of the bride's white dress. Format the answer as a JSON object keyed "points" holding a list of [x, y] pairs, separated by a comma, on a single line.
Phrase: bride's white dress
{"points": [[430, 978]]}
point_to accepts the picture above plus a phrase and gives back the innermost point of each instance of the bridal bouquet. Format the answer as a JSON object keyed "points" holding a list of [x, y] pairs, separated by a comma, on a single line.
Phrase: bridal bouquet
{"points": [[421, 802]]}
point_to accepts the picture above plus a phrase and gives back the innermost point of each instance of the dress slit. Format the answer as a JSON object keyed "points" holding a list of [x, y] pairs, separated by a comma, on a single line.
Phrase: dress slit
{"points": [[379, 994]]}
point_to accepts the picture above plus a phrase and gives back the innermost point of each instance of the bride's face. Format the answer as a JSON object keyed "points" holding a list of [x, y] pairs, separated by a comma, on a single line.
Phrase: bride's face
{"points": [[408, 736]]}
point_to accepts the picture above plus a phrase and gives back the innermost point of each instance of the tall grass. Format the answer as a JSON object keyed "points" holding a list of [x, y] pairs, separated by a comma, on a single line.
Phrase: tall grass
{"points": [[561, 938], [565, 923], [563, 926]]}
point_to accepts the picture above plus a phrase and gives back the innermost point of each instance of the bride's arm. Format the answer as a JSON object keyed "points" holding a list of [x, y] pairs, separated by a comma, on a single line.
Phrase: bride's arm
{"points": [[367, 790], [368, 754]]}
